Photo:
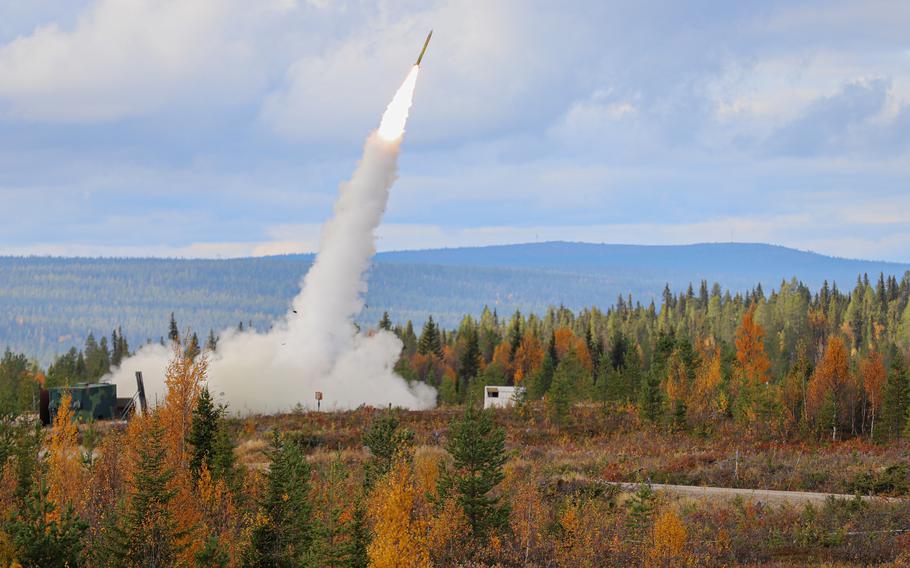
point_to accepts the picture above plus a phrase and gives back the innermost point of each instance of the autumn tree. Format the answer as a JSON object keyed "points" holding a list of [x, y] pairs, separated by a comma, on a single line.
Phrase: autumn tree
{"points": [[477, 447], [528, 357], [872, 371], [669, 536], [827, 392], [752, 365], [706, 402], [399, 530], [66, 474]]}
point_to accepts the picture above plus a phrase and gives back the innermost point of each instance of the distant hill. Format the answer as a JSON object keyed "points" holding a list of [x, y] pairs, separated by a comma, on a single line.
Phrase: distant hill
{"points": [[49, 304]]}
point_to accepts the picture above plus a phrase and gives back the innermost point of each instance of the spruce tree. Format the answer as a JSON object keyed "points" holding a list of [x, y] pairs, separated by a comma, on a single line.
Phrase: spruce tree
{"points": [[386, 439], [43, 538], [173, 333], [146, 533], [559, 399], [477, 447], [193, 348], [284, 535], [430, 342], [386, 322], [895, 397], [650, 399], [470, 359], [203, 430], [211, 343]]}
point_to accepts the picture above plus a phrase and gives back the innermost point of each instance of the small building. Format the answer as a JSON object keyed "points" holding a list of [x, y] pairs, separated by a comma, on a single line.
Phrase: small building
{"points": [[90, 401], [501, 397]]}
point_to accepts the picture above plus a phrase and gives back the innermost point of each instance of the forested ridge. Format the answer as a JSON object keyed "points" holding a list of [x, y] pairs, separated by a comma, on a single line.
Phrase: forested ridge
{"points": [[48, 305], [788, 388]]}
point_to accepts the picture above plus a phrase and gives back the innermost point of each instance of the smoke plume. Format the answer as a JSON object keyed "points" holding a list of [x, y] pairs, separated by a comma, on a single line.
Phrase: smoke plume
{"points": [[315, 346]]}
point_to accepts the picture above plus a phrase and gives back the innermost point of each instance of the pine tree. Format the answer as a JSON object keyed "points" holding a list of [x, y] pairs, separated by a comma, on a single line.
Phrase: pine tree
{"points": [[430, 342], [42, 537], [284, 534], [146, 532], [543, 380], [641, 507], [192, 348], [386, 440], [895, 397], [386, 322], [470, 359], [211, 344], [650, 401], [173, 333], [477, 447], [559, 399], [203, 430]]}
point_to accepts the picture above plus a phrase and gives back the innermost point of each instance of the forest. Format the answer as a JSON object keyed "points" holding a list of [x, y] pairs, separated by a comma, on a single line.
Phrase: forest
{"points": [[48, 305], [791, 389]]}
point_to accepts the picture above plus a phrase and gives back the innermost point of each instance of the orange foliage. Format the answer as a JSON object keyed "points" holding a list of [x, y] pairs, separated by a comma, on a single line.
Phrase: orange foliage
{"points": [[502, 357], [706, 400], [428, 367], [566, 340], [872, 371], [528, 357], [66, 474], [831, 377], [528, 514], [669, 541], [753, 362], [184, 380]]}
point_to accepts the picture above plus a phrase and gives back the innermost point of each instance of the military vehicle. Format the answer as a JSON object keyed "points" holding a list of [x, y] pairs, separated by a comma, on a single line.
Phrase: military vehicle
{"points": [[92, 401]]}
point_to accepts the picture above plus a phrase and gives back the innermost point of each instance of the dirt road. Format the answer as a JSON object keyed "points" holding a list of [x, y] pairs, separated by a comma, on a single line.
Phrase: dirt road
{"points": [[756, 495]]}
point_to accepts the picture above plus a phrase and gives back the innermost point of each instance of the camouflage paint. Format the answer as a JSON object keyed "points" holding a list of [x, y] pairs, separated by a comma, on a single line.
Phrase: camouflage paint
{"points": [[95, 401]]}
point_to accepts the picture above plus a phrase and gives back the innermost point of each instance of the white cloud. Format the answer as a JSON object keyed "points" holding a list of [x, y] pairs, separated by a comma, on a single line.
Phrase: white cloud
{"points": [[124, 58]]}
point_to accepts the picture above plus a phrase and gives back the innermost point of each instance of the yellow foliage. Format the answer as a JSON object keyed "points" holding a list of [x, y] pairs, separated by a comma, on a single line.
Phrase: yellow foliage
{"points": [[184, 381], [398, 533], [576, 547], [669, 541], [66, 474]]}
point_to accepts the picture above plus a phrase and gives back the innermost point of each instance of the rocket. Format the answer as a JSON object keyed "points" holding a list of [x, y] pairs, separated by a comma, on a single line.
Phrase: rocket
{"points": [[424, 50]]}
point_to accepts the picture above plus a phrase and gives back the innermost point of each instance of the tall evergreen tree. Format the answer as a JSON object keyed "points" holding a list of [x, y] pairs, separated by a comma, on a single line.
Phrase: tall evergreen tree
{"points": [[284, 535], [430, 341], [895, 397], [469, 366], [478, 450], [146, 533], [173, 333], [385, 322]]}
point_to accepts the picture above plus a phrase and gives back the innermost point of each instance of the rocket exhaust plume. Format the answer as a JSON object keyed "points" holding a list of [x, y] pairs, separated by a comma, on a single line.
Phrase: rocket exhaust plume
{"points": [[315, 346]]}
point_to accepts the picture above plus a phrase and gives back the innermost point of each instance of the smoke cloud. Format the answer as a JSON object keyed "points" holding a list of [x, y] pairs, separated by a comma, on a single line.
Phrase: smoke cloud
{"points": [[315, 346]]}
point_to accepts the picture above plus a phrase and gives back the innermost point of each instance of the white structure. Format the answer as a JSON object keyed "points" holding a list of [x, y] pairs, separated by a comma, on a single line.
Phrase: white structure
{"points": [[500, 397]]}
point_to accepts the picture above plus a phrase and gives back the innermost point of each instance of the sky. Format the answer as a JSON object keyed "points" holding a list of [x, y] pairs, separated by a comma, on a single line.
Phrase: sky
{"points": [[222, 128]]}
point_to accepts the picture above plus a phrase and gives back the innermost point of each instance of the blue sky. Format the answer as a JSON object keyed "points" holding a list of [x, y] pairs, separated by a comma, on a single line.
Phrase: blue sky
{"points": [[223, 127]]}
